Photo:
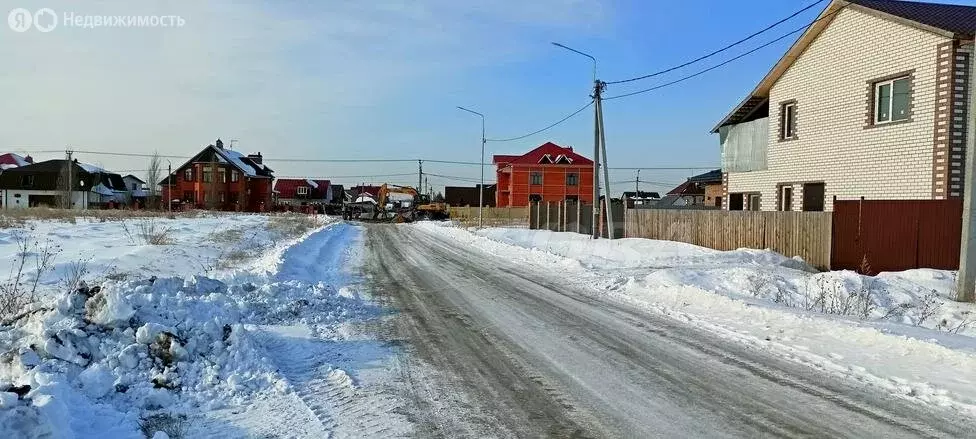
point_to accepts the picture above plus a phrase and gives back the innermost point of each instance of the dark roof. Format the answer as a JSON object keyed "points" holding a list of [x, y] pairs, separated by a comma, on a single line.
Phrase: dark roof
{"points": [[714, 176], [46, 176], [958, 19], [669, 202]]}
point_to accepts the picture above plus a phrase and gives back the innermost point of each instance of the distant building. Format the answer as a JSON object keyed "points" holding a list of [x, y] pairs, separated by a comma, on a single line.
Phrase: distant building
{"points": [[461, 196], [641, 199], [547, 173], [45, 184], [11, 160], [136, 193], [303, 191], [221, 179], [702, 191]]}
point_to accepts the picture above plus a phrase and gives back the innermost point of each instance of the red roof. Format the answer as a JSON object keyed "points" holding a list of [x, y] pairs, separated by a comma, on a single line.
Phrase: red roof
{"points": [[687, 188], [288, 188], [547, 153], [11, 160]]}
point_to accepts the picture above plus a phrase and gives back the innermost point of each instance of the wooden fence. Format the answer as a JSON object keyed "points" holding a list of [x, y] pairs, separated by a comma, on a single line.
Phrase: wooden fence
{"points": [[804, 234], [493, 216]]}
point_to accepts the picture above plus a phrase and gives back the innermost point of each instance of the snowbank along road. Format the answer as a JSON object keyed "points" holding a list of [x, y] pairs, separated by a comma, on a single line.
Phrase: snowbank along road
{"points": [[498, 349]]}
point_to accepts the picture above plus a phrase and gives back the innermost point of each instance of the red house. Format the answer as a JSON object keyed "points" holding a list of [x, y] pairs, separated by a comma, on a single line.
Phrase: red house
{"points": [[300, 191], [547, 173], [220, 179]]}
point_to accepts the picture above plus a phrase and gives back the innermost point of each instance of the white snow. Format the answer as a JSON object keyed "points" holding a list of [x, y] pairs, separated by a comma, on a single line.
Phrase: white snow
{"points": [[91, 169], [214, 331], [312, 183], [897, 331], [235, 158]]}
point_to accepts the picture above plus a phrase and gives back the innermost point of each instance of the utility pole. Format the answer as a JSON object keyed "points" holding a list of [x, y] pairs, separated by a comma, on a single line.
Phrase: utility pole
{"points": [[420, 175], [637, 185], [967, 254], [597, 93], [606, 167], [68, 185], [481, 187]]}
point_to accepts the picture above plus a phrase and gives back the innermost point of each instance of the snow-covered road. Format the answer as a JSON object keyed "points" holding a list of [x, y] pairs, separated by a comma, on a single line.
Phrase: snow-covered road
{"points": [[496, 349]]}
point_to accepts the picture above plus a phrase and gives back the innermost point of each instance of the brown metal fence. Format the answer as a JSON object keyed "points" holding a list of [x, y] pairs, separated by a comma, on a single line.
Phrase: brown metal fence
{"points": [[889, 235], [804, 234]]}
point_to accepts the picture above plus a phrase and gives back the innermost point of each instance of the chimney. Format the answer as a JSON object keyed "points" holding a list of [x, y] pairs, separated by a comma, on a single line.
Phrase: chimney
{"points": [[256, 158], [29, 159], [220, 144]]}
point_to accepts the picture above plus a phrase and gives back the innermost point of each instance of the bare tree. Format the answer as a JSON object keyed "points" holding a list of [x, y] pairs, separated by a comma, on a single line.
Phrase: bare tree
{"points": [[153, 174]]}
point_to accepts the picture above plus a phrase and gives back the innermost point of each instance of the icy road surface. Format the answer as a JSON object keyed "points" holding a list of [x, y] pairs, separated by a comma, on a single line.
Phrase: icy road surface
{"points": [[496, 349]]}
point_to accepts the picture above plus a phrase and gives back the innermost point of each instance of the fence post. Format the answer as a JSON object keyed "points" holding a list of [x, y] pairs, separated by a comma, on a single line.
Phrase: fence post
{"points": [[579, 208], [559, 223]]}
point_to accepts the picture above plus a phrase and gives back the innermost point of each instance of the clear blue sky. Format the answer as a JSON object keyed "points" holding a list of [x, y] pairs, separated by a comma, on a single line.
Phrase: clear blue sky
{"points": [[380, 79]]}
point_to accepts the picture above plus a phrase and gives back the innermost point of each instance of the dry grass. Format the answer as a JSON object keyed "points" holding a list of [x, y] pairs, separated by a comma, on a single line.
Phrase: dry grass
{"points": [[291, 225], [10, 218], [174, 426]]}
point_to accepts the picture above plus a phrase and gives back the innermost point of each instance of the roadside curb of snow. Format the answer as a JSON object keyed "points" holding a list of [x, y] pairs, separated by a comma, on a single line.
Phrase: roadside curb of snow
{"points": [[628, 290], [918, 392], [271, 261]]}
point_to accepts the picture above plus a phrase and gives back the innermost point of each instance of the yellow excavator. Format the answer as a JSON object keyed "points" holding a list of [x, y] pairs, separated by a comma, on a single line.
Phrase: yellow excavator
{"points": [[419, 207]]}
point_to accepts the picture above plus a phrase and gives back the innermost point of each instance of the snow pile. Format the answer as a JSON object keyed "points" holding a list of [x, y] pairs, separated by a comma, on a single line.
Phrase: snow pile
{"points": [[128, 350]]}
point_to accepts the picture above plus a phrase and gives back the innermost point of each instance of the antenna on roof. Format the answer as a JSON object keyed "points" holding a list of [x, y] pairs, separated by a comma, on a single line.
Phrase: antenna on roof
{"points": [[232, 143]]}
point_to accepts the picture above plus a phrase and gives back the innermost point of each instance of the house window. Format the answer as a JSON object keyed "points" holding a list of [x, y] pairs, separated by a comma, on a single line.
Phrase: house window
{"points": [[535, 198], [303, 190], [736, 201], [223, 175], [813, 197], [233, 175], [572, 179], [221, 197], [753, 202], [787, 121], [718, 201], [134, 186], [188, 196], [207, 174], [786, 198], [892, 99], [536, 178], [27, 180], [188, 174]]}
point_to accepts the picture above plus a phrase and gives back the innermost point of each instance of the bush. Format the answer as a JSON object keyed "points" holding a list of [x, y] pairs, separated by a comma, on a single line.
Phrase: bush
{"points": [[173, 425]]}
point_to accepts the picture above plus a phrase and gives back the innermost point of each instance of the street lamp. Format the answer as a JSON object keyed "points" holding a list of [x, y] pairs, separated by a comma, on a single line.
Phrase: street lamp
{"points": [[596, 145], [481, 188]]}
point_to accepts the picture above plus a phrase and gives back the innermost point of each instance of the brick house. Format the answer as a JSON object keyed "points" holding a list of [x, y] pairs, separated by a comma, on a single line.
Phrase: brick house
{"points": [[303, 191], [218, 178], [869, 102], [547, 173]]}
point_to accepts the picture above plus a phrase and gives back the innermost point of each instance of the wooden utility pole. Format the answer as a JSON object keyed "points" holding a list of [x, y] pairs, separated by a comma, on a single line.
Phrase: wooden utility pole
{"points": [[597, 92], [68, 179], [967, 255]]}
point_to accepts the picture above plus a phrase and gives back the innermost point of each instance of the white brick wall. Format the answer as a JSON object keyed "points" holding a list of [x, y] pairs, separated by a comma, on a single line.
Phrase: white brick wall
{"points": [[829, 83]]}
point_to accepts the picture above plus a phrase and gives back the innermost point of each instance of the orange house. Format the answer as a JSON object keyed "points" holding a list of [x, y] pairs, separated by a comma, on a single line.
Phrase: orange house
{"points": [[547, 173]]}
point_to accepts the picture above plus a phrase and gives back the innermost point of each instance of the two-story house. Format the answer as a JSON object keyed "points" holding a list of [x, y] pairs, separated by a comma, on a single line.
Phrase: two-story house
{"points": [[218, 178], [547, 173], [303, 191], [869, 102]]}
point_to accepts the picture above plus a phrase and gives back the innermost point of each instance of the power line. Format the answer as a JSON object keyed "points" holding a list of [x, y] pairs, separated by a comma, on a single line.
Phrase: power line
{"points": [[701, 72], [723, 49], [546, 128]]}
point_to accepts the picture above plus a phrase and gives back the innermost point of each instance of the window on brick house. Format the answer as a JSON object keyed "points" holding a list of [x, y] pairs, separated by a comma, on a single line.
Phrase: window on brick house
{"points": [[536, 178], [221, 197], [786, 198], [207, 174], [572, 179], [302, 190], [223, 175], [188, 174], [188, 196], [753, 202], [233, 175], [892, 99], [787, 121]]}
